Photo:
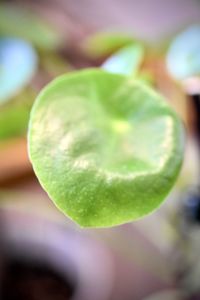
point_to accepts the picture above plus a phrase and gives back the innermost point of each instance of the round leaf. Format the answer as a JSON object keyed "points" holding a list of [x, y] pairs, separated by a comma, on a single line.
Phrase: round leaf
{"points": [[106, 148], [183, 58], [18, 62], [125, 61]]}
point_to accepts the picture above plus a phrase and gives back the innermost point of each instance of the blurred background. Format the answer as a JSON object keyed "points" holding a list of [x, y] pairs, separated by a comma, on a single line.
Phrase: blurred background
{"points": [[43, 255]]}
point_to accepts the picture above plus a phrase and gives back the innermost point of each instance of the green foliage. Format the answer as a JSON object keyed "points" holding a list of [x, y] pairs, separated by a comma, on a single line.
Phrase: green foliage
{"points": [[103, 44], [125, 61], [15, 21], [53, 64], [14, 115], [105, 147]]}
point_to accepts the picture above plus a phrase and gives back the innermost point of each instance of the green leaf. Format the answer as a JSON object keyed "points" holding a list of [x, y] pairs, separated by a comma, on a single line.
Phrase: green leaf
{"points": [[183, 57], [103, 44], [54, 64], [146, 77], [14, 115], [126, 61], [18, 64], [18, 22], [106, 148]]}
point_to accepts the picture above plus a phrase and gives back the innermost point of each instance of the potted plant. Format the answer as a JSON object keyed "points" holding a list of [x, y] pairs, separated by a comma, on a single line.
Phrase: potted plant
{"points": [[105, 146]]}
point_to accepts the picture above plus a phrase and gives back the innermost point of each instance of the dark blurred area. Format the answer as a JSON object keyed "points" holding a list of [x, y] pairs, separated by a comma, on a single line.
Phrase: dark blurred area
{"points": [[44, 255]]}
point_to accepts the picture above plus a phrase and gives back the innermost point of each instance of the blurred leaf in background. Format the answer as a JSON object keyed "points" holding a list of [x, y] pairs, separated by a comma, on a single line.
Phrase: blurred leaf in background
{"points": [[125, 61], [54, 64], [183, 57], [18, 64], [103, 44], [18, 22], [14, 115], [28, 47]]}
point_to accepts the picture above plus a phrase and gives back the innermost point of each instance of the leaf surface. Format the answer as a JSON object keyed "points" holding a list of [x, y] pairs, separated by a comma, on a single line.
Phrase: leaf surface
{"points": [[106, 148]]}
